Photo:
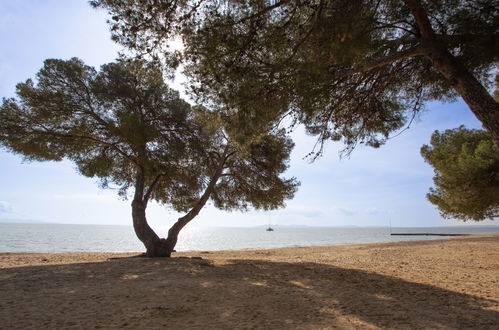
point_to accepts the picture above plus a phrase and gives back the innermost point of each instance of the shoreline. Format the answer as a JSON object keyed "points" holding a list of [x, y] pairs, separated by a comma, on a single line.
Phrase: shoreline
{"points": [[121, 239], [440, 283], [438, 237]]}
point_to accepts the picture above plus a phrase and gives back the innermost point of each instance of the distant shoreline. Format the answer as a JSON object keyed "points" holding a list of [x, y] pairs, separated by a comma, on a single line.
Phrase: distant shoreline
{"points": [[446, 237], [427, 234], [105, 238], [34, 222]]}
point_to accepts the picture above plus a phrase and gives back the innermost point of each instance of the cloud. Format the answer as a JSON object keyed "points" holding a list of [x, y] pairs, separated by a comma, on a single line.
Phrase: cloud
{"points": [[309, 214], [6, 207], [302, 212], [346, 212], [375, 211], [95, 197]]}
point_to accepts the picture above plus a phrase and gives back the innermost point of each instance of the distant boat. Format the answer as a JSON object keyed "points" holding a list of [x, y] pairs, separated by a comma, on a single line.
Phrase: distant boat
{"points": [[269, 228]]}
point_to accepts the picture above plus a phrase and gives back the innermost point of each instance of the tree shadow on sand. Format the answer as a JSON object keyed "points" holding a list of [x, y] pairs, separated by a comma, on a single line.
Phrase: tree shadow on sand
{"points": [[186, 293]]}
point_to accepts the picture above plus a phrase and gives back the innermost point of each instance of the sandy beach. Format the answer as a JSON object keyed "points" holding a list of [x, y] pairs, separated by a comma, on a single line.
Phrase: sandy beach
{"points": [[449, 283]]}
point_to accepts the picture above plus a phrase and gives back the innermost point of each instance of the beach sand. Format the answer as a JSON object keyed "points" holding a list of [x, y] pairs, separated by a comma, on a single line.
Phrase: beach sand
{"points": [[449, 283]]}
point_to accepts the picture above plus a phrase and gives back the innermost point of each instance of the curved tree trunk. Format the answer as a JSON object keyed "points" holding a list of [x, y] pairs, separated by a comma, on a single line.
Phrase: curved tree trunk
{"points": [[481, 103], [155, 246], [171, 241]]}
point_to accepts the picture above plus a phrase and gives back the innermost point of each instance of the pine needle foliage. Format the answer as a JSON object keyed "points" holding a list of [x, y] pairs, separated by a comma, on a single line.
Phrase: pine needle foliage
{"points": [[349, 70], [466, 165]]}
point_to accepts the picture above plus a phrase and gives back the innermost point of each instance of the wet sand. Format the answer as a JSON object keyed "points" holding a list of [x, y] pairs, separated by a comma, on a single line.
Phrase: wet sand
{"points": [[450, 283]]}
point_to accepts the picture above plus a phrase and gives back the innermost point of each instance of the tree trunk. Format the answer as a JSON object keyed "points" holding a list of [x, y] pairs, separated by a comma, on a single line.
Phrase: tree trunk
{"points": [[171, 241], [160, 247], [481, 103], [155, 246], [173, 232]]}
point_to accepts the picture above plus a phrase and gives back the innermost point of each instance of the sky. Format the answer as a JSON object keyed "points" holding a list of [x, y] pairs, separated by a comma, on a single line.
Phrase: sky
{"points": [[373, 187]]}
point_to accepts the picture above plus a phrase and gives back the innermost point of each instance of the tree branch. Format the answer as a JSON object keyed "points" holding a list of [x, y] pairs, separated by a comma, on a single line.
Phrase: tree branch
{"points": [[380, 62], [206, 194], [89, 138], [421, 17], [151, 188], [261, 12]]}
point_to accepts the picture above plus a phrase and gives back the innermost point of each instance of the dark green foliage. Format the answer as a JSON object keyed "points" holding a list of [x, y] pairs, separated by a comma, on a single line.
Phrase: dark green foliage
{"points": [[123, 125], [466, 164], [351, 70], [253, 175], [110, 123]]}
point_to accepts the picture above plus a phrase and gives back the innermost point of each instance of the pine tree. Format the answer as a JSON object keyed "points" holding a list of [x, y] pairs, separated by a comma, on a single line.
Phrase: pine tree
{"points": [[351, 70], [123, 125]]}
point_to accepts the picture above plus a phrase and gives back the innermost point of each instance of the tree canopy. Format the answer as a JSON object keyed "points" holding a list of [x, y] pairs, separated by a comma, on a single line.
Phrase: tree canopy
{"points": [[466, 164], [123, 124], [349, 70], [108, 123]]}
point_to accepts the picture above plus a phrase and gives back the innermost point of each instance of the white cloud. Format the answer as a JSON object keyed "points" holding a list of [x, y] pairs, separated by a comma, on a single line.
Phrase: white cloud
{"points": [[346, 212], [100, 197], [6, 207], [301, 212], [375, 211]]}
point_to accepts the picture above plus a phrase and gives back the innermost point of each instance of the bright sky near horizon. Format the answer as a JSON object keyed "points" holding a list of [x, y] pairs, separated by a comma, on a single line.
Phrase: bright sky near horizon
{"points": [[370, 188]]}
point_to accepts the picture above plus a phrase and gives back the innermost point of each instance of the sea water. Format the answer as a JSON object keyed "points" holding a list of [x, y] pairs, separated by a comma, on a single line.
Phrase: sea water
{"points": [[66, 238]]}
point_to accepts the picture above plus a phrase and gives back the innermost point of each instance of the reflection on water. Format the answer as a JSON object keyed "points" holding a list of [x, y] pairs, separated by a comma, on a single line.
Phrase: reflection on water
{"points": [[64, 238]]}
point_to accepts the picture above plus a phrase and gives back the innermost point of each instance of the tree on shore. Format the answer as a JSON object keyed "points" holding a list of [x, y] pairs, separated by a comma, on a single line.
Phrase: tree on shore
{"points": [[349, 70], [466, 165], [124, 126]]}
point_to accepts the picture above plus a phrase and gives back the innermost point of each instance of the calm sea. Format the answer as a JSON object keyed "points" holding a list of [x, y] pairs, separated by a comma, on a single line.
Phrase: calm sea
{"points": [[65, 238]]}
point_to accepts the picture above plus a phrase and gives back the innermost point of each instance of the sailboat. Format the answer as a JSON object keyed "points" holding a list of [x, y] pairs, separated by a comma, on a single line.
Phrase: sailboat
{"points": [[269, 228]]}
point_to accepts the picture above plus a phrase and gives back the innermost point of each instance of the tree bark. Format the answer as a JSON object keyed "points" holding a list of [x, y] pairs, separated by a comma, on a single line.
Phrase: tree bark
{"points": [[171, 241], [481, 103], [155, 246]]}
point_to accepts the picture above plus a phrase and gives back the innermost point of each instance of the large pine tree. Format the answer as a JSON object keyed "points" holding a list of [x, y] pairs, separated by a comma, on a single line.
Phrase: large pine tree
{"points": [[123, 124], [354, 70]]}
